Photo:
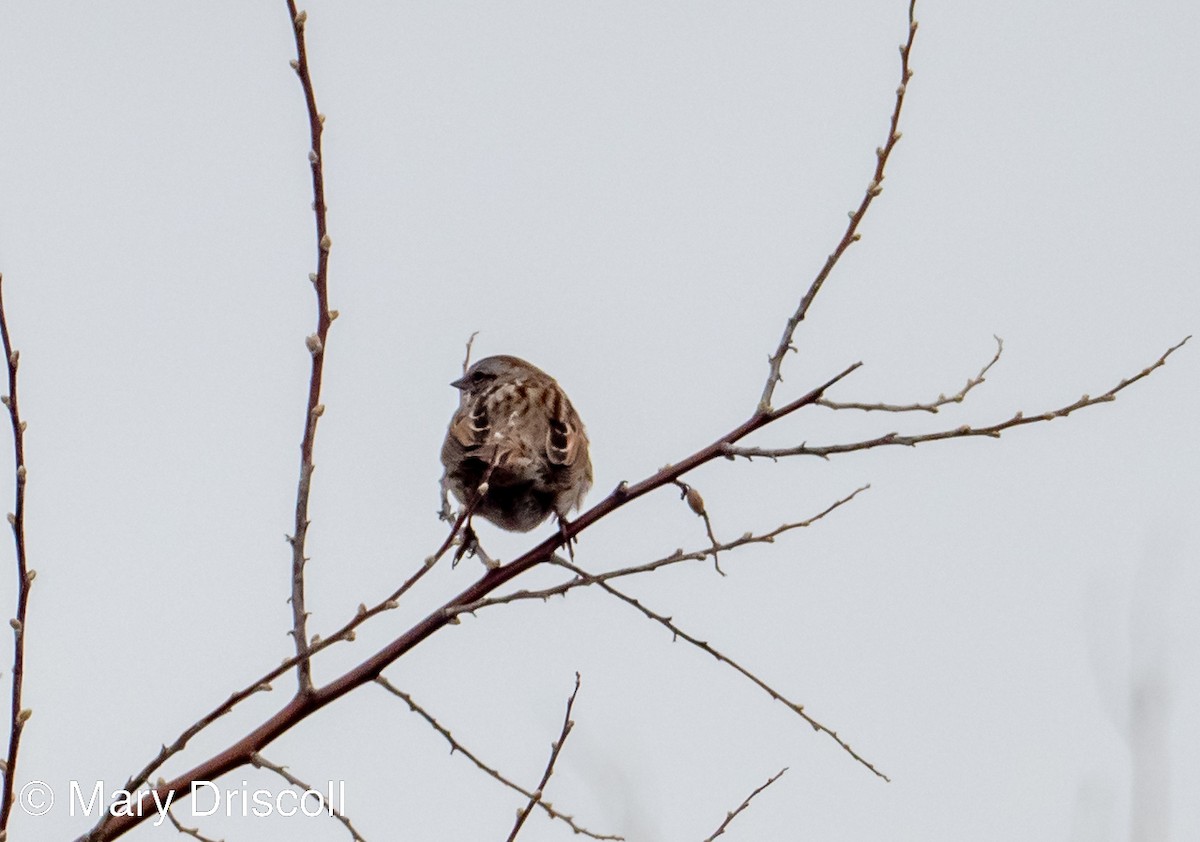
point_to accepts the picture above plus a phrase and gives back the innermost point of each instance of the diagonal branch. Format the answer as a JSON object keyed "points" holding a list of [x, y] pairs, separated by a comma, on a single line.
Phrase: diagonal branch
{"points": [[316, 346], [729, 817], [851, 235], [555, 750], [262, 763], [676, 557], [456, 746], [25, 576], [299, 709], [704, 646]]}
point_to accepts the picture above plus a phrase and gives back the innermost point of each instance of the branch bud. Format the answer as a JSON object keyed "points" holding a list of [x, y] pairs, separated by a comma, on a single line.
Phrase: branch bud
{"points": [[300, 18], [313, 342], [695, 501], [15, 623], [326, 243], [24, 715], [312, 156]]}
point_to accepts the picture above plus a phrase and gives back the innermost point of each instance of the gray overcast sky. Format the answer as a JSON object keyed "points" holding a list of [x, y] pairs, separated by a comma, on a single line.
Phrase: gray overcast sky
{"points": [[632, 196]]}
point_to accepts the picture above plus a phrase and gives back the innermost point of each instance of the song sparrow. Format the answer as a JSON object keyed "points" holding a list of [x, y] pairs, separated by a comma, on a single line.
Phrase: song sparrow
{"points": [[516, 450]]}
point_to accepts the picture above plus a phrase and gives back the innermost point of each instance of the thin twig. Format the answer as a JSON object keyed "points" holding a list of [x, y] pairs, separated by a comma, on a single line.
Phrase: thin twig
{"points": [[676, 557], [262, 763], [704, 646], [317, 344], [555, 749], [964, 431], [16, 519], [932, 406], [696, 503], [466, 363], [851, 235], [456, 746], [732, 815], [193, 832]]}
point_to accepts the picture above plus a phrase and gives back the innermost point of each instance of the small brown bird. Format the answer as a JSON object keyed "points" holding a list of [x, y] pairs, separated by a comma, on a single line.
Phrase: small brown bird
{"points": [[516, 450]]}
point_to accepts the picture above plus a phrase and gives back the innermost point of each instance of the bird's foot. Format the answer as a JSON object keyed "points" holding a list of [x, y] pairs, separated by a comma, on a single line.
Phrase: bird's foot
{"points": [[565, 540]]}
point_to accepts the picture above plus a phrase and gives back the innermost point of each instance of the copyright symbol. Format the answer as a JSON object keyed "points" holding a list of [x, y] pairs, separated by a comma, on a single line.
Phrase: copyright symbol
{"points": [[36, 798]]}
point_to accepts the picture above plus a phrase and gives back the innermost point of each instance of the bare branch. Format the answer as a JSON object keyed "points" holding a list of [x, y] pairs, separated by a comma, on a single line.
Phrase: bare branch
{"points": [[851, 235], [193, 832], [729, 817], [456, 746], [317, 344], [301, 707], [676, 557], [16, 519], [965, 431], [679, 633], [555, 749], [262, 763], [932, 406]]}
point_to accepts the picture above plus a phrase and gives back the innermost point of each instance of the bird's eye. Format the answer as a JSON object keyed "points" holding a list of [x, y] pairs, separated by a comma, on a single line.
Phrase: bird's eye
{"points": [[478, 377]]}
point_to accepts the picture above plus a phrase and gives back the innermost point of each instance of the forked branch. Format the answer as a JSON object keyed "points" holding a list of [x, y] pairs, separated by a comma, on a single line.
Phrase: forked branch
{"points": [[458, 747], [882, 155]]}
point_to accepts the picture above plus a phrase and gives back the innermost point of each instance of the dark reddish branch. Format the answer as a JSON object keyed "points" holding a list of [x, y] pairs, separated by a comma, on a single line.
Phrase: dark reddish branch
{"points": [[304, 705], [23, 580], [317, 349]]}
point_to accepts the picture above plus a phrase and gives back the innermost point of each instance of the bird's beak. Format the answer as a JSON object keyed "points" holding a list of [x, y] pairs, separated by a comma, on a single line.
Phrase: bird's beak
{"points": [[460, 383]]}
